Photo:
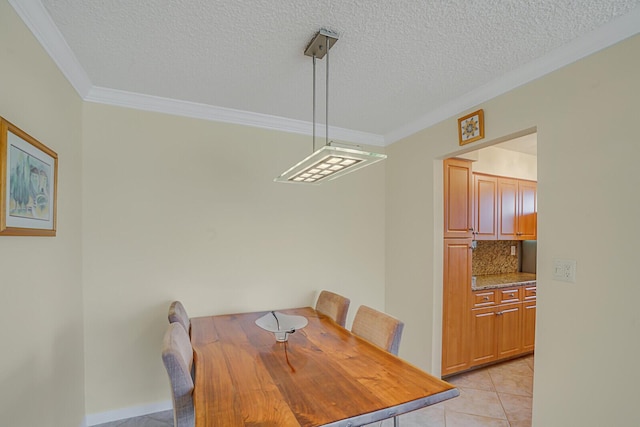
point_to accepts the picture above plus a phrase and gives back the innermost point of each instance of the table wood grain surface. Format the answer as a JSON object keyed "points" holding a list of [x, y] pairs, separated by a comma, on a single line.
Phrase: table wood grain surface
{"points": [[323, 375]]}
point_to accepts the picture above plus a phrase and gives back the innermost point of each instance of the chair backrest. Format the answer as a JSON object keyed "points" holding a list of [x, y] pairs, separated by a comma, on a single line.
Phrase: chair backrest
{"points": [[177, 355], [378, 328], [334, 306], [177, 313]]}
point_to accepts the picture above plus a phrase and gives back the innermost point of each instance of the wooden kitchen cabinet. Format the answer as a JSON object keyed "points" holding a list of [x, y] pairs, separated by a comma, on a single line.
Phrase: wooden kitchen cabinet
{"points": [[517, 209], [455, 305], [507, 208], [527, 227], [458, 198], [472, 207], [502, 323], [509, 330], [484, 298], [530, 293], [528, 326], [496, 333], [485, 206], [483, 332], [506, 295]]}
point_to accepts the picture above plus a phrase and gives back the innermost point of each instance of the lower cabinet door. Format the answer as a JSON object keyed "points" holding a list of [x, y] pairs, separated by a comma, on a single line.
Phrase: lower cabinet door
{"points": [[455, 305], [528, 326], [509, 329], [483, 336]]}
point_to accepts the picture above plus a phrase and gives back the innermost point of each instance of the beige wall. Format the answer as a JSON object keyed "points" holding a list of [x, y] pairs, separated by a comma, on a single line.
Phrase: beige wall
{"points": [[122, 253], [498, 161], [178, 208], [42, 361], [587, 338]]}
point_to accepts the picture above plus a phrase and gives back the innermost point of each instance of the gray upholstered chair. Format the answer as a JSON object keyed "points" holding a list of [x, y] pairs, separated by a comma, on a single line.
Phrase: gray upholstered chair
{"points": [[177, 313], [177, 355], [333, 305], [378, 328]]}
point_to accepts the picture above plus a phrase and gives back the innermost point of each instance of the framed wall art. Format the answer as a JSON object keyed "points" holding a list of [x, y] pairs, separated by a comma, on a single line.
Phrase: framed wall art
{"points": [[471, 127], [28, 184]]}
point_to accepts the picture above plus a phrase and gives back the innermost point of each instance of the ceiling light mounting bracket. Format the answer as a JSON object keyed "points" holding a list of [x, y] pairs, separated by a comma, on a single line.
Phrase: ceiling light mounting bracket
{"points": [[318, 45]]}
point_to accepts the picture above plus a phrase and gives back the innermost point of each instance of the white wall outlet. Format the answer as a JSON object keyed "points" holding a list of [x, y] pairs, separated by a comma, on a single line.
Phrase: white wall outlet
{"points": [[564, 270], [513, 250]]}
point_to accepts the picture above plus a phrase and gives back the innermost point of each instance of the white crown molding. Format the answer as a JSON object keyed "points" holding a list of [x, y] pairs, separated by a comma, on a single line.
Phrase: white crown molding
{"points": [[41, 25], [227, 115], [609, 34], [37, 19]]}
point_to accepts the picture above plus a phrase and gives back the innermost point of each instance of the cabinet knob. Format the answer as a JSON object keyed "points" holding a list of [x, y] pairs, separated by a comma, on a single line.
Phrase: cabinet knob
{"points": [[485, 299], [511, 295], [499, 313]]}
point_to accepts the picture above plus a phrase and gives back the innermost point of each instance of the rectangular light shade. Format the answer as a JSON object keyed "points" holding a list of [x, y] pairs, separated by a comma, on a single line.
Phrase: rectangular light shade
{"points": [[329, 163]]}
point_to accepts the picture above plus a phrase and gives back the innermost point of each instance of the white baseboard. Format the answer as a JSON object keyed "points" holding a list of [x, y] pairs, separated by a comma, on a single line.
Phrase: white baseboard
{"points": [[124, 413]]}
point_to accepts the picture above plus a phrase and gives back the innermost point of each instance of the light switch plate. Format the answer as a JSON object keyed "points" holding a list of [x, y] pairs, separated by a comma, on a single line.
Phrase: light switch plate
{"points": [[564, 270]]}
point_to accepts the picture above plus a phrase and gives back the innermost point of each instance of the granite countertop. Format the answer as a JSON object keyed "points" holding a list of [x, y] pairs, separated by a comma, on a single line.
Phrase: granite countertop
{"points": [[494, 281]]}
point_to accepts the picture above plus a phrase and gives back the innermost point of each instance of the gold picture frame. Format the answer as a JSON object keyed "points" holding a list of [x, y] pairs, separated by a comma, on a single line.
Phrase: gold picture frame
{"points": [[28, 184], [471, 127]]}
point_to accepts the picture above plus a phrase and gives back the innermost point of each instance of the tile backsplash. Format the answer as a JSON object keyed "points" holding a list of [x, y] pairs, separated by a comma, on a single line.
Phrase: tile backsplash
{"points": [[494, 257]]}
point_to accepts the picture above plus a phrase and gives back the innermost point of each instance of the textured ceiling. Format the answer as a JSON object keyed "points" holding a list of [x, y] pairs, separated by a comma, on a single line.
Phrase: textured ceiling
{"points": [[394, 62]]}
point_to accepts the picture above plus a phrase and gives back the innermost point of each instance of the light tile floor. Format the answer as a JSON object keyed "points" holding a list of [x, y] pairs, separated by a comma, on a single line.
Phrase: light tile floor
{"points": [[159, 419], [496, 396]]}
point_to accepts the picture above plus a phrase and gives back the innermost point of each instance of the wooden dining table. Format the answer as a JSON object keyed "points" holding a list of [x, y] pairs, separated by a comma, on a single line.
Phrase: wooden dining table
{"points": [[322, 376]]}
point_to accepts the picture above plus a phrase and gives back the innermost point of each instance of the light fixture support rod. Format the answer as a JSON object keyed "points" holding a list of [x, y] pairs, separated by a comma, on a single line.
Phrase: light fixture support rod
{"points": [[326, 105], [317, 48], [313, 142]]}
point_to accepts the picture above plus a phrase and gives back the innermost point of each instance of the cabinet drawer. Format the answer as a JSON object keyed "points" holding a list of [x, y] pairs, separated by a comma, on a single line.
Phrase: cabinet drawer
{"points": [[508, 295], [483, 298], [529, 293]]}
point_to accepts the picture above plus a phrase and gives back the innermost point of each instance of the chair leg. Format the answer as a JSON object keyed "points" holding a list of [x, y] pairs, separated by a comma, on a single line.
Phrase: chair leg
{"points": [[396, 422]]}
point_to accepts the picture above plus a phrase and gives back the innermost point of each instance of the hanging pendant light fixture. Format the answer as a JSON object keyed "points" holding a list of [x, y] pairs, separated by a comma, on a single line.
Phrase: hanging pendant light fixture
{"points": [[328, 162]]}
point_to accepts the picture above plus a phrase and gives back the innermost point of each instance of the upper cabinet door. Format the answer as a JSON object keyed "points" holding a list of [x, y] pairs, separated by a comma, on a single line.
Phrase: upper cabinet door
{"points": [[507, 208], [485, 207], [458, 196], [527, 210], [517, 205]]}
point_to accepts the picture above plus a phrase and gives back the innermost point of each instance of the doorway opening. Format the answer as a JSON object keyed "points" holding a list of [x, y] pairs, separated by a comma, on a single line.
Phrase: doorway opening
{"points": [[489, 266], [489, 254]]}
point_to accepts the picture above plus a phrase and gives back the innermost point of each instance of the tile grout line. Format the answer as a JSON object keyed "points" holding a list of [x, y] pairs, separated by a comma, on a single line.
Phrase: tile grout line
{"points": [[444, 415], [506, 417]]}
